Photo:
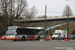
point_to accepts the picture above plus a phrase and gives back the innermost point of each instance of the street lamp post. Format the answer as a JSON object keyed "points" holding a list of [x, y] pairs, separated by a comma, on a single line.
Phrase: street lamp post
{"points": [[45, 22]]}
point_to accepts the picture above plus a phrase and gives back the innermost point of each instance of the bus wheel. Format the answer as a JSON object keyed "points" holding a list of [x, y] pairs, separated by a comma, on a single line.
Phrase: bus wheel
{"points": [[23, 38], [38, 37], [14, 40]]}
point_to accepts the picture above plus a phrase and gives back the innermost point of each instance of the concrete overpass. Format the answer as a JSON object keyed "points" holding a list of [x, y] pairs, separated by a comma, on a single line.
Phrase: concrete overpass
{"points": [[50, 28], [62, 18], [58, 25]]}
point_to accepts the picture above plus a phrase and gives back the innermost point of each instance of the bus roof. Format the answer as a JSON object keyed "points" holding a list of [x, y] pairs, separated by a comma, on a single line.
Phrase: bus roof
{"points": [[13, 26], [32, 28]]}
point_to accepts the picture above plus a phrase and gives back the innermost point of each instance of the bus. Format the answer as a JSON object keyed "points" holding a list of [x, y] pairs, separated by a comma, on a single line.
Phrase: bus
{"points": [[24, 33]]}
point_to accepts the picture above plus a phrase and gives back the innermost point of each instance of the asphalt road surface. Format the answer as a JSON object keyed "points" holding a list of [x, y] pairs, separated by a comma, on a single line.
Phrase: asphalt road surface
{"points": [[37, 45]]}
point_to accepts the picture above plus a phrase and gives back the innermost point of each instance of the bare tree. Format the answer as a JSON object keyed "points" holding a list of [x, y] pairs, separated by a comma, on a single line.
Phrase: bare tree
{"points": [[15, 8], [31, 13], [11, 11], [67, 10], [21, 6]]}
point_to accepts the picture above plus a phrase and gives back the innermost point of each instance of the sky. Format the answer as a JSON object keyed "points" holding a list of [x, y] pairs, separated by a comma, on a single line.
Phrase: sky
{"points": [[54, 7]]}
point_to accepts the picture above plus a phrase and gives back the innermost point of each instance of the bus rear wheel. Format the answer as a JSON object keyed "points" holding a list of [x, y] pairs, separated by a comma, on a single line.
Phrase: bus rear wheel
{"points": [[38, 37], [14, 40], [23, 38]]}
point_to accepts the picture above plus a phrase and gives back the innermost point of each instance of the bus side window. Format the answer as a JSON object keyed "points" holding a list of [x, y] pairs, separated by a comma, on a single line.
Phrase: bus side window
{"points": [[23, 31], [18, 31], [59, 34], [33, 32], [27, 32], [40, 33]]}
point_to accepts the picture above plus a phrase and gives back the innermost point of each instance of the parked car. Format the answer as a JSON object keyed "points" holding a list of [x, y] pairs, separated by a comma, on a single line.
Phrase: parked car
{"points": [[3, 37], [72, 37]]}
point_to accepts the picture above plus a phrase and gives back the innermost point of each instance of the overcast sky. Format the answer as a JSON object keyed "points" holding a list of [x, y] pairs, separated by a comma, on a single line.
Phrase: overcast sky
{"points": [[54, 7]]}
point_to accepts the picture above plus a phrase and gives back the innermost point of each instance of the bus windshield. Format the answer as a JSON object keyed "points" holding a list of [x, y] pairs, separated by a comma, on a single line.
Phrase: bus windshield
{"points": [[10, 32], [12, 27]]}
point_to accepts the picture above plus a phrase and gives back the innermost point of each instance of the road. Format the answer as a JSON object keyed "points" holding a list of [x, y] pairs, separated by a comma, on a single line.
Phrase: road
{"points": [[37, 45]]}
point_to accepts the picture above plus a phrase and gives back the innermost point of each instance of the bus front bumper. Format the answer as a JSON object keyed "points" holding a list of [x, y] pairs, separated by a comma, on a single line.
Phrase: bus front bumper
{"points": [[10, 38]]}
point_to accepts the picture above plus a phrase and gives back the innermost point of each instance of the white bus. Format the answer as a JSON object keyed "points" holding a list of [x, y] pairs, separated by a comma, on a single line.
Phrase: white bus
{"points": [[24, 33]]}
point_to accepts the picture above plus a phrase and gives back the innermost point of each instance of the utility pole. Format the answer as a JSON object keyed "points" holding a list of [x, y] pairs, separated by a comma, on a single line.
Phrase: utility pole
{"points": [[5, 15], [45, 22], [68, 24]]}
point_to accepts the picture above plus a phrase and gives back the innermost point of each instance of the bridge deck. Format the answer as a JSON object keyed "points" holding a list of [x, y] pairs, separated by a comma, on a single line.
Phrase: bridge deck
{"points": [[47, 19]]}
